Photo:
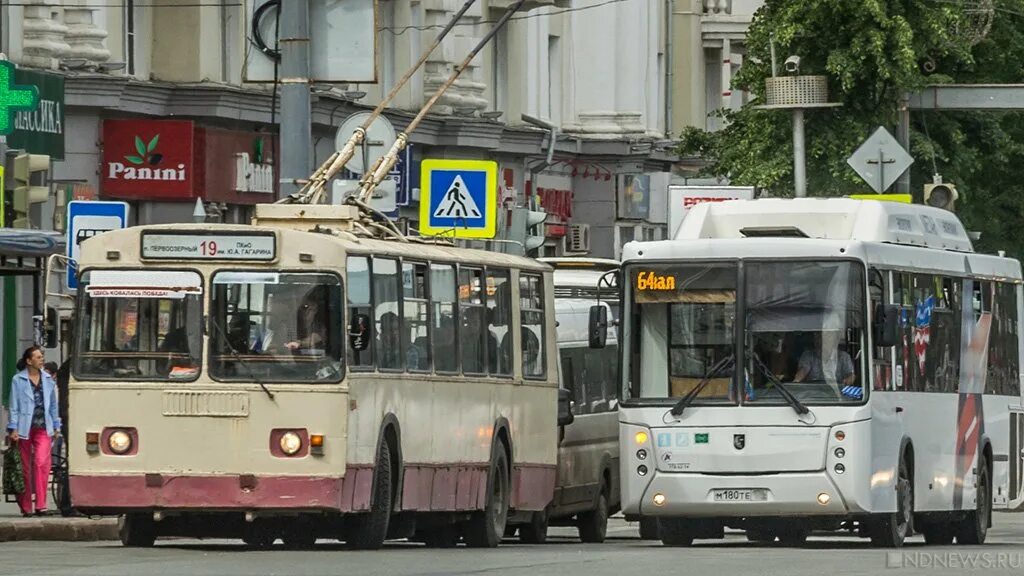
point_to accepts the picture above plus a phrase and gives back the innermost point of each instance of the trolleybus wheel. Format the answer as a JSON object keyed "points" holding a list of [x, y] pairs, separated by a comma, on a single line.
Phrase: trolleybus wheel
{"points": [[486, 528], [973, 528], [760, 535], [371, 529], [593, 525], [675, 532], [137, 530], [649, 528], [536, 532], [892, 529]]}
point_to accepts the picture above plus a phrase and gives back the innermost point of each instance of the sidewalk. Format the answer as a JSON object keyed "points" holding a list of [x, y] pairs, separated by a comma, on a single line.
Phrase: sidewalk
{"points": [[14, 527]]}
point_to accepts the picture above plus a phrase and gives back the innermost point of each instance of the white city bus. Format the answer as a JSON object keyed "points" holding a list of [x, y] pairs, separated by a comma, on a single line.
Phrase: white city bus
{"points": [[292, 380], [880, 383]]}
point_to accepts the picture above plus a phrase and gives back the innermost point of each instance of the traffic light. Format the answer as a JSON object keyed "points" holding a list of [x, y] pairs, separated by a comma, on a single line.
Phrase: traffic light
{"points": [[29, 185], [940, 195], [528, 228]]}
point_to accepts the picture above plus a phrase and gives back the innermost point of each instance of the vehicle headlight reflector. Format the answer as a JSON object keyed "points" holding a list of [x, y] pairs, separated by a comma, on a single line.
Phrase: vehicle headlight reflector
{"points": [[291, 443], [119, 442]]}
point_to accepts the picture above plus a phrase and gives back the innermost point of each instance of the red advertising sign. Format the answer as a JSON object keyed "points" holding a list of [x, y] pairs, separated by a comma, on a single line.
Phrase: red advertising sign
{"points": [[148, 159], [237, 167]]}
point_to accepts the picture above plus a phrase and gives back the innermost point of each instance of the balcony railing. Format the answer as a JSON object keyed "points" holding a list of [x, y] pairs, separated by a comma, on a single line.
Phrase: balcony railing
{"points": [[717, 7]]}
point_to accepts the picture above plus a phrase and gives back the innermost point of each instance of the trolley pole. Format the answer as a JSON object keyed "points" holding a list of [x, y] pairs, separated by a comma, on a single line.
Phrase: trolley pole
{"points": [[296, 132]]}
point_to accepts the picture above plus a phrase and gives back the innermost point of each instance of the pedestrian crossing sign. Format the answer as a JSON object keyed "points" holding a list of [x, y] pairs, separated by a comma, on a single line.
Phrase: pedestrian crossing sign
{"points": [[458, 198]]}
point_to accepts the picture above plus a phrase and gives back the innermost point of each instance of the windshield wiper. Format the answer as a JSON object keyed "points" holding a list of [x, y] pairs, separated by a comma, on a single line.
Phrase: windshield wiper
{"points": [[692, 394], [238, 358], [783, 391]]}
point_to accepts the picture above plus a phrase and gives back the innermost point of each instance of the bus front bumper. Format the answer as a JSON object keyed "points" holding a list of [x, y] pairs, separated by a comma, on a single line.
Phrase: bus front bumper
{"points": [[706, 495], [223, 492]]}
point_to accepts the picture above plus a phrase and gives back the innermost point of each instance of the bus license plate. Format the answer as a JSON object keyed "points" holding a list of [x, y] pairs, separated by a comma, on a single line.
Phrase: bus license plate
{"points": [[742, 495]]}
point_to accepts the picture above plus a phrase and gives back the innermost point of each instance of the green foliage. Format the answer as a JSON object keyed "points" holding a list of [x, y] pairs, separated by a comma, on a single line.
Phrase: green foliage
{"points": [[873, 51]]}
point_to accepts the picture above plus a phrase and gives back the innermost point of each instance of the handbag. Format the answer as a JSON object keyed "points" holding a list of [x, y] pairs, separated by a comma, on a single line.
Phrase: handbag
{"points": [[13, 473]]}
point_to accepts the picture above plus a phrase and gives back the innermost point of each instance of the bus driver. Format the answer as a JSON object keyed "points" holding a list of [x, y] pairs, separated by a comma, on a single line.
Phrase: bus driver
{"points": [[811, 366]]}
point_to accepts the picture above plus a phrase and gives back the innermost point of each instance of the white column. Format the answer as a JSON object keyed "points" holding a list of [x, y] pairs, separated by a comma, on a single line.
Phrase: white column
{"points": [[43, 34], [468, 90], [85, 39]]}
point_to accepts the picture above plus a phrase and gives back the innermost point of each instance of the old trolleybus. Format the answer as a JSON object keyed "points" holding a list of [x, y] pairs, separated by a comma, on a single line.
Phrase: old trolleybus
{"points": [[797, 365], [290, 379]]}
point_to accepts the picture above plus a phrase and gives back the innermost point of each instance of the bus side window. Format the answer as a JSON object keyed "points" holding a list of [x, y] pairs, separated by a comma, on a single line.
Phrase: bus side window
{"points": [[443, 291], [386, 303], [415, 333], [531, 306], [499, 322], [358, 269]]}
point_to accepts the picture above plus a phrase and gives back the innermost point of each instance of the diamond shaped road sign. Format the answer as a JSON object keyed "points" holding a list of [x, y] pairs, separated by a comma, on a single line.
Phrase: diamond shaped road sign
{"points": [[880, 160]]}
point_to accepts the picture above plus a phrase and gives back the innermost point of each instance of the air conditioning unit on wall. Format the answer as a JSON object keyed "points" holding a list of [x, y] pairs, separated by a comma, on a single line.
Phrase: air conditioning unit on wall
{"points": [[577, 241]]}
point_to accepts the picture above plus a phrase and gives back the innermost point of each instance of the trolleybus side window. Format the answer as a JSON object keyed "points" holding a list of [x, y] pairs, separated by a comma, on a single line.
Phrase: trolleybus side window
{"points": [[443, 290], [533, 332], [386, 313], [415, 322], [359, 302], [276, 326], [474, 338], [499, 322]]}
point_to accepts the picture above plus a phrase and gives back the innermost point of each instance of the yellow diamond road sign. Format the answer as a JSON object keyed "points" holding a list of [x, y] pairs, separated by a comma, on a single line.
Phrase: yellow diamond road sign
{"points": [[458, 198]]}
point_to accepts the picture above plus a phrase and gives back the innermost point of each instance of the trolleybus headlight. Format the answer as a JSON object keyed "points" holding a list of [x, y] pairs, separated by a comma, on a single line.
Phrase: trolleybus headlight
{"points": [[659, 499], [119, 442], [640, 437], [840, 452], [840, 468], [291, 443], [641, 470], [824, 499], [641, 454]]}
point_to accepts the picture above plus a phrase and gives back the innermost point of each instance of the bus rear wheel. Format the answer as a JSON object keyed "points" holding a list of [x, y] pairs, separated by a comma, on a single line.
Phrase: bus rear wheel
{"points": [[675, 532], [137, 531], [973, 529], [485, 529], [371, 529]]}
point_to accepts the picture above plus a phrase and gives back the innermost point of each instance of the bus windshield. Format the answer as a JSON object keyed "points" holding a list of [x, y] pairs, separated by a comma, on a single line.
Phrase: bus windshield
{"points": [[136, 325], [802, 331], [276, 327]]}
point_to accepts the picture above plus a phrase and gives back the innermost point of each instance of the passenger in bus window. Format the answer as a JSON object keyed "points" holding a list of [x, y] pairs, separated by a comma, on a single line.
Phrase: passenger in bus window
{"points": [[389, 351], [812, 364]]}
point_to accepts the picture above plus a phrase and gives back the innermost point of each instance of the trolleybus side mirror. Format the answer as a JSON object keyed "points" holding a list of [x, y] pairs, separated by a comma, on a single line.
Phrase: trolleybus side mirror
{"points": [[359, 332], [565, 415], [887, 325], [598, 326]]}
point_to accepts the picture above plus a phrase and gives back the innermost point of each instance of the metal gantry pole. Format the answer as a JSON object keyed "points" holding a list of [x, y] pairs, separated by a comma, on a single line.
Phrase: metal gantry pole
{"points": [[296, 132], [799, 154]]}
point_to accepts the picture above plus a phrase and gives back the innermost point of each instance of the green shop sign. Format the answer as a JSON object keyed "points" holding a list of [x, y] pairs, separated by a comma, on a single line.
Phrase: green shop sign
{"points": [[40, 131]]}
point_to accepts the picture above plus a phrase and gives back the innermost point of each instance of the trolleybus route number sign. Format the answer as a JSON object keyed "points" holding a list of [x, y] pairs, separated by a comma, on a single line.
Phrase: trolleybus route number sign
{"points": [[209, 247]]}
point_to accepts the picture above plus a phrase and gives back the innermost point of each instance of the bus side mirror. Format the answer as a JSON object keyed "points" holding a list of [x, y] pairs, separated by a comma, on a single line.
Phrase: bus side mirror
{"points": [[565, 415], [359, 332], [598, 326], [887, 325]]}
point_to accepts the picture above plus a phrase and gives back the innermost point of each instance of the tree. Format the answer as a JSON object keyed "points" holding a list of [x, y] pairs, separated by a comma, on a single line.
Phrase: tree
{"points": [[873, 51]]}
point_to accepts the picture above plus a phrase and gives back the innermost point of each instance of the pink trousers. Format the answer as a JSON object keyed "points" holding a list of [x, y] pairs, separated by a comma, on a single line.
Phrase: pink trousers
{"points": [[35, 459]]}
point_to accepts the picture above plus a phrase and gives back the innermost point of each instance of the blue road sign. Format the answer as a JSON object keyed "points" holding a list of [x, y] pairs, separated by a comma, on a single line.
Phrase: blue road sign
{"points": [[459, 198], [87, 219]]}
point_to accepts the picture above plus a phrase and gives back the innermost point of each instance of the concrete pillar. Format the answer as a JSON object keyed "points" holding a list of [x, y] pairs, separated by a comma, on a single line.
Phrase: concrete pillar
{"points": [[43, 43], [688, 62], [84, 38]]}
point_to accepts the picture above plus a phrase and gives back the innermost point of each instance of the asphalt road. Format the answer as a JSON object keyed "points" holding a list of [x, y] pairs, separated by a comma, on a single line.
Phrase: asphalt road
{"points": [[624, 554]]}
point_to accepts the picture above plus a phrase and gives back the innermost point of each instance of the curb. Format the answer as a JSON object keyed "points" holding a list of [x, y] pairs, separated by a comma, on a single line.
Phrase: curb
{"points": [[59, 529]]}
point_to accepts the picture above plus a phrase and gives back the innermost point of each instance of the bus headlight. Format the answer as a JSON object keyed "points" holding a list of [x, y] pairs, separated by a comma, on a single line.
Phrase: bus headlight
{"points": [[119, 442], [291, 443]]}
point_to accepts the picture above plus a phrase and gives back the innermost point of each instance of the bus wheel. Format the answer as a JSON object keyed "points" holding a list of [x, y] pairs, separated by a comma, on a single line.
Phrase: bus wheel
{"points": [[536, 532], [760, 535], [892, 529], [371, 529], [593, 525], [675, 532], [137, 530], [649, 528], [974, 527], [486, 528]]}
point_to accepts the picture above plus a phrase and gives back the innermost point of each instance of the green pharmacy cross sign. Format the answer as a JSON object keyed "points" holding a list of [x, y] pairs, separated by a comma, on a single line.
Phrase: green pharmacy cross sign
{"points": [[13, 98]]}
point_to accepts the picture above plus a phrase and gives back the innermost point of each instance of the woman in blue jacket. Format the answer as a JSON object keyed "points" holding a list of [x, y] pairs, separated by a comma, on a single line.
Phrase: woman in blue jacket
{"points": [[34, 424]]}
